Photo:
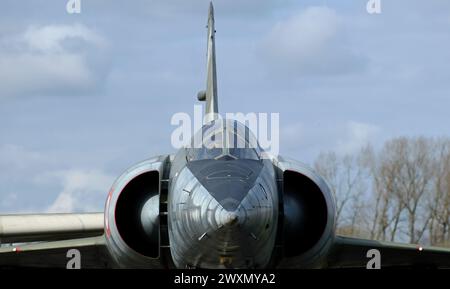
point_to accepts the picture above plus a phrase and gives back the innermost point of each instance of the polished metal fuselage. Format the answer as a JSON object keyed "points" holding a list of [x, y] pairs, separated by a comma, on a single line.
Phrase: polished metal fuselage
{"points": [[207, 230]]}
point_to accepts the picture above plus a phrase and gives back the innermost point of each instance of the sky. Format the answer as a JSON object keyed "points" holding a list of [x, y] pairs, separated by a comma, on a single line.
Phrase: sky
{"points": [[85, 96]]}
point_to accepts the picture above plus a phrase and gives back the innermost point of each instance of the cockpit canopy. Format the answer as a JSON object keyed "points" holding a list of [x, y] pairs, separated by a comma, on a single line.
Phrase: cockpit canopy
{"points": [[224, 139]]}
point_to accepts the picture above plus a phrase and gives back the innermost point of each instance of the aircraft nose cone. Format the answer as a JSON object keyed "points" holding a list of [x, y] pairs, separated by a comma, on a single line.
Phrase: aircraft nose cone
{"points": [[227, 218]]}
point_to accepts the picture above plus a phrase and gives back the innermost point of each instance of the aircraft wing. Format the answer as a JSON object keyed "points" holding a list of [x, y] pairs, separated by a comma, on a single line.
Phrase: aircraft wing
{"points": [[352, 253], [43, 240]]}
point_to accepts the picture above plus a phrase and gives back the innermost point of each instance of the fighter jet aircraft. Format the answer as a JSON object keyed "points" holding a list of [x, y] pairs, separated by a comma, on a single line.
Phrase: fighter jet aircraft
{"points": [[220, 206]]}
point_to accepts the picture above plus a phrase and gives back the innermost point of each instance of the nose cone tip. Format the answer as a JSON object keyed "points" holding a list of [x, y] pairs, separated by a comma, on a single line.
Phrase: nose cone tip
{"points": [[229, 218]]}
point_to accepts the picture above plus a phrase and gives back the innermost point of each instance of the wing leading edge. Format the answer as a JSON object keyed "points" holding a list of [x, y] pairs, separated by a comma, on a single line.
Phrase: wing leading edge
{"points": [[350, 252], [48, 227], [43, 240]]}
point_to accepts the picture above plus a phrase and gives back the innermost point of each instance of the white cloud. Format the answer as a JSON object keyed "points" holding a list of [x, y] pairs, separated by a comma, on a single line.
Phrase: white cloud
{"points": [[357, 136], [83, 190], [305, 141], [52, 60], [306, 32], [37, 181], [50, 39], [310, 43]]}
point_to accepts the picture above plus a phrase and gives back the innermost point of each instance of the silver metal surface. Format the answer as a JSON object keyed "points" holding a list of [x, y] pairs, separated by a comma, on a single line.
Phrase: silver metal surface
{"points": [[205, 235], [210, 95], [316, 255], [124, 255], [45, 227]]}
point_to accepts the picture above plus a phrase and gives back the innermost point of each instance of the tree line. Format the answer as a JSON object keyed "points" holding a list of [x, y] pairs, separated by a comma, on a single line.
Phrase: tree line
{"points": [[400, 192]]}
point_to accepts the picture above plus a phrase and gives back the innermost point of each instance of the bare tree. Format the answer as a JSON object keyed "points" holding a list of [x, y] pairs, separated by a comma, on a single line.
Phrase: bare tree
{"points": [[387, 210], [398, 193], [344, 174], [414, 180], [402, 175], [439, 199]]}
